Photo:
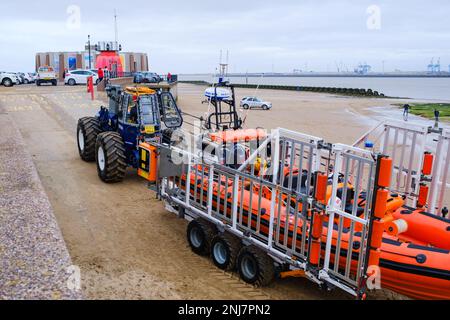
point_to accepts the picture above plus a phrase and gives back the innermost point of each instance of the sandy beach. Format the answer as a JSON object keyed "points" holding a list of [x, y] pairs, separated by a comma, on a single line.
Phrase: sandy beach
{"points": [[335, 118]]}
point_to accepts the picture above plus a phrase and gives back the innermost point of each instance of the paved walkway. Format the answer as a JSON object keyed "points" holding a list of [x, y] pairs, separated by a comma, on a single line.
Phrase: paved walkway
{"points": [[34, 261]]}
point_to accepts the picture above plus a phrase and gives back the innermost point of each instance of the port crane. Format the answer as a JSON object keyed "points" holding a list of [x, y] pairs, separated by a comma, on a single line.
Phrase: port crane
{"points": [[434, 68], [363, 69]]}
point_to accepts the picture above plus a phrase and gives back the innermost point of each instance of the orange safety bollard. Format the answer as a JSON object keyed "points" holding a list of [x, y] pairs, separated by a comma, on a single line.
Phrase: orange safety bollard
{"points": [[385, 173], [427, 167]]}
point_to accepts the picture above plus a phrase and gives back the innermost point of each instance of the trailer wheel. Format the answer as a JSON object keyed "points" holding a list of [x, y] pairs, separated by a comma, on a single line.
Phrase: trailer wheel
{"points": [[110, 156], [224, 251], [199, 236], [255, 266], [87, 132]]}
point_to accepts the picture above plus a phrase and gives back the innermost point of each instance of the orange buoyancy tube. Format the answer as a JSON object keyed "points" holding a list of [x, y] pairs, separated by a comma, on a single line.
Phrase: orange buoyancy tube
{"points": [[415, 271], [425, 227]]}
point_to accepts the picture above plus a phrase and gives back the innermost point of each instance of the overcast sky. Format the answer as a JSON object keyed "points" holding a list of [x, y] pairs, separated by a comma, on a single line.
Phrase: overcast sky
{"points": [[184, 36]]}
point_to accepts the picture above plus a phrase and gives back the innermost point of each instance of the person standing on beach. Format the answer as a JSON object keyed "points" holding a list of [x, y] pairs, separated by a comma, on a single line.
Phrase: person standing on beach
{"points": [[169, 77], [406, 108], [436, 117]]}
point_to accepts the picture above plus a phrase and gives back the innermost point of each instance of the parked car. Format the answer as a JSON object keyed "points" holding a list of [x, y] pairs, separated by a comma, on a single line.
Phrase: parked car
{"points": [[33, 76], [19, 77], [80, 76], [46, 74], [8, 79], [147, 77], [254, 102], [26, 78]]}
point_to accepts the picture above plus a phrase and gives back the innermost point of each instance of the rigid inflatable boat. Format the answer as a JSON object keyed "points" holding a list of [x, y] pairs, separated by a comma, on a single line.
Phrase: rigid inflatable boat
{"points": [[414, 252]]}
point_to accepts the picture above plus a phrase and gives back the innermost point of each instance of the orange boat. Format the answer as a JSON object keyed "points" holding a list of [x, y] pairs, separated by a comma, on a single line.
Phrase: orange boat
{"points": [[408, 264]]}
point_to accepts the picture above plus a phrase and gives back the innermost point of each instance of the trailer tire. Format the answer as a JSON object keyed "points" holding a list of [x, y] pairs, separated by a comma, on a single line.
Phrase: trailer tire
{"points": [[110, 157], [255, 266], [87, 132], [224, 251], [199, 236]]}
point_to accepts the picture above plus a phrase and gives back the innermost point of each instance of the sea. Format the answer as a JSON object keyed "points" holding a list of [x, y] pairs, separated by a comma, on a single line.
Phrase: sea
{"points": [[420, 88]]}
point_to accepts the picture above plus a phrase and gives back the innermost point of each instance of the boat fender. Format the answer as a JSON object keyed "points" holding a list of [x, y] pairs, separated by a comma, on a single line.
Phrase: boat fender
{"points": [[381, 203], [385, 172], [321, 187], [377, 234], [423, 195], [427, 164]]}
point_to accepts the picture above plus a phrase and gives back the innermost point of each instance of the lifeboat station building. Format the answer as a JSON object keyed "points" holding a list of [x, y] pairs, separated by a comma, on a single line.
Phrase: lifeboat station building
{"points": [[131, 61]]}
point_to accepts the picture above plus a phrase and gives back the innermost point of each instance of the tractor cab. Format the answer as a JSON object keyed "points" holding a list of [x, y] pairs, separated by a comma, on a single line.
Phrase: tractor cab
{"points": [[136, 118]]}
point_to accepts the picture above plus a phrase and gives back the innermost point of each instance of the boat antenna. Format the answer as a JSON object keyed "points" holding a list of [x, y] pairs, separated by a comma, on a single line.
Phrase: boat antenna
{"points": [[246, 112], [116, 28]]}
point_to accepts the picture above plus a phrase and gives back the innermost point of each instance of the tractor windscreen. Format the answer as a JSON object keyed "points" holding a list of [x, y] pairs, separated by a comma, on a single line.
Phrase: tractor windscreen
{"points": [[149, 110], [171, 114]]}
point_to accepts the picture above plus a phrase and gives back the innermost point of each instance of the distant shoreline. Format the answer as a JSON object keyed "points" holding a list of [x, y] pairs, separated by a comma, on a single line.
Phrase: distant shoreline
{"points": [[325, 75]]}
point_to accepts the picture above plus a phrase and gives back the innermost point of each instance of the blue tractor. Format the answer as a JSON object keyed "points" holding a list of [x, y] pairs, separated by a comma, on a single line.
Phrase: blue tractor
{"points": [[135, 116]]}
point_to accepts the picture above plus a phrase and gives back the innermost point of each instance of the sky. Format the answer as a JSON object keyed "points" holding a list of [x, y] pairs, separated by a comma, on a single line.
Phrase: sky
{"points": [[184, 36]]}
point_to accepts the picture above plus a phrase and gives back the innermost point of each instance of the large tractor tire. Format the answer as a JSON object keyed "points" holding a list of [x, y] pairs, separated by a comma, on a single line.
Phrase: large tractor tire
{"points": [[110, 157], [87, 132], [224, 251], [255, 266], [199, 235]]}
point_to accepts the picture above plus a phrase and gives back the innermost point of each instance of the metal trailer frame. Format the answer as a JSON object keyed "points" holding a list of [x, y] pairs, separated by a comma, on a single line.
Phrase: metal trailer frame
{"points": [[216, 183], [406, 144], [439, 183]]}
